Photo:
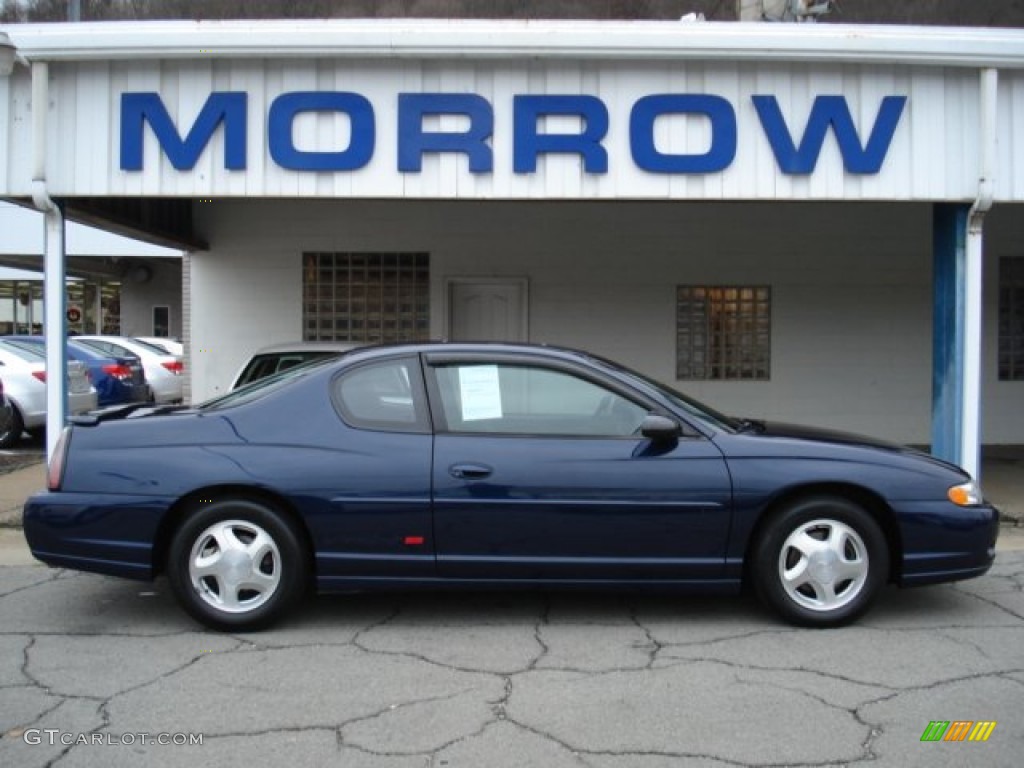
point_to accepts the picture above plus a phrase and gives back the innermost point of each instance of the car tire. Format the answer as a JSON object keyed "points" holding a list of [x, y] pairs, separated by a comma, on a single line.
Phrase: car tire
{"points": [[11, 428], [237, 565], [820, 562]]}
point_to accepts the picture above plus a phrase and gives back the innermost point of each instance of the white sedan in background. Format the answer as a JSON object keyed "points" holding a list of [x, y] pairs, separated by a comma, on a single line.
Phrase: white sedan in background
{"points": [[163, 370], [23, 372]]}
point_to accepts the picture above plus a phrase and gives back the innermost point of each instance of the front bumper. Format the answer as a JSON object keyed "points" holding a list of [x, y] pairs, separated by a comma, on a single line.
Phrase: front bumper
{"points": [[944, 542]]}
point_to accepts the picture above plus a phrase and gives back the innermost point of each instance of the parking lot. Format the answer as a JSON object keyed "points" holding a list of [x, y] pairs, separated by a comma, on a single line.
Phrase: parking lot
{"points": [[93, 670], [96, 671]]}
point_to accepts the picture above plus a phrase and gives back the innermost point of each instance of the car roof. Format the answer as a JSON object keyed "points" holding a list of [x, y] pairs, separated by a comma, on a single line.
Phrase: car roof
{"points": [[483, 348]]}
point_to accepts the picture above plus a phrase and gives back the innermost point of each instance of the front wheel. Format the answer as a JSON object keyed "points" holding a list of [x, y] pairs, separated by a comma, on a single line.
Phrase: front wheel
{"points": [[820, 562], [236, 565]]}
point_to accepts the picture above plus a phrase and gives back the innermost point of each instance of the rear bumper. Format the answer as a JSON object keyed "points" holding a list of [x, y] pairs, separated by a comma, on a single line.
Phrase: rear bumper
{"points": [[167, 389], [82, 402], [106, 534], [124, 393]]}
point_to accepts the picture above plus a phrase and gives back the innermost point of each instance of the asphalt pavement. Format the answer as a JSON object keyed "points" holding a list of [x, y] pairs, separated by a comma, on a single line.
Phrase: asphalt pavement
{"points": [[93, 670], [97, 671]]}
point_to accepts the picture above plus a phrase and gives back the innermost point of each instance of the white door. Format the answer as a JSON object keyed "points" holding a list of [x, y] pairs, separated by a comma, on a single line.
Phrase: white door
{"points": [[487, 310]]}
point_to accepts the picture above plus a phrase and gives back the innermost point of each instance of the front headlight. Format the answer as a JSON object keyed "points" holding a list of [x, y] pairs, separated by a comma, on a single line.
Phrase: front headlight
{"points": [[966, 495]]}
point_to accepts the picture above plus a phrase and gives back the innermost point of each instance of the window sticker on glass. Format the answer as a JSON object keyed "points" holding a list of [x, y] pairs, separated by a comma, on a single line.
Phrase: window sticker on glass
{"points": [[480, 392]]}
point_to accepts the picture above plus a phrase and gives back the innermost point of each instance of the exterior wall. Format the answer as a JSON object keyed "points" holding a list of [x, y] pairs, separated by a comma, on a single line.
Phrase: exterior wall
{"points": [[933, 155], [1002, 401], [246, 292], [851, 333], [163, 287]]}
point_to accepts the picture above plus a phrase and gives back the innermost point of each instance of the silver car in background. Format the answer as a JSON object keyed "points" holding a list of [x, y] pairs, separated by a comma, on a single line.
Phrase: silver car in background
{"points": [[163, 370], [23, 372], [280, 357]]}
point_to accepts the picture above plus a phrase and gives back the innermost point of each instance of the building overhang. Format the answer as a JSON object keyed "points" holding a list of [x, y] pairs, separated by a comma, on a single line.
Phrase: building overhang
{"points": [[469, 39]]}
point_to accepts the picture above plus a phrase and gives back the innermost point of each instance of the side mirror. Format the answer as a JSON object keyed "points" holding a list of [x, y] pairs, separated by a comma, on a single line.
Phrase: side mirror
{"points": [[660, 428]]}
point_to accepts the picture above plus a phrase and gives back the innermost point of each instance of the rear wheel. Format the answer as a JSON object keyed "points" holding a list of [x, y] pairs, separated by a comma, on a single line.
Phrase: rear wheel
{"points": [[11, 427], [237, 565], [820, 562]]}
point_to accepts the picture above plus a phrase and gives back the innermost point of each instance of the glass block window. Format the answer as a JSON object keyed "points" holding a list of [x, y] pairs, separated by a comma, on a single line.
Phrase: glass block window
{"points": [[1011, 318], [366, 297], [723, 332]]}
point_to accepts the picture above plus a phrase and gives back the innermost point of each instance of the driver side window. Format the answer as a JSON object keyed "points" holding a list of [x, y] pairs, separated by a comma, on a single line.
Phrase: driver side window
{"points": [[503, 398]]}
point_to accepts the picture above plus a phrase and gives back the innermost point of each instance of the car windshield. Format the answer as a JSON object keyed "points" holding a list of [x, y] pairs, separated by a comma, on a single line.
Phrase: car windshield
{"points": [[262, 387], [686, 403]]}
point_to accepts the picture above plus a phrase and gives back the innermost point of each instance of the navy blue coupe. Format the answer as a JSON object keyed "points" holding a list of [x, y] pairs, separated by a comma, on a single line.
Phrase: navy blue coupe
{"points": [[447, 465]]}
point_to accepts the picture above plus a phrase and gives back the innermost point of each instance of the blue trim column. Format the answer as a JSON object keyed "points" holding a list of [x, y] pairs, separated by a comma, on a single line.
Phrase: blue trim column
{"points": [[949, 243]]}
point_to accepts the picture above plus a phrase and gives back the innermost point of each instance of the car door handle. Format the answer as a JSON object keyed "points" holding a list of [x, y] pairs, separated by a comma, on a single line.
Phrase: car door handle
{"points": [[470, 471]]}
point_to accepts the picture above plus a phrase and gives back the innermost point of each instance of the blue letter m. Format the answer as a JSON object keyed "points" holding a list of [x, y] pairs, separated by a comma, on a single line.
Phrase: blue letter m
{"points": [[139, 108], [834, 111]]}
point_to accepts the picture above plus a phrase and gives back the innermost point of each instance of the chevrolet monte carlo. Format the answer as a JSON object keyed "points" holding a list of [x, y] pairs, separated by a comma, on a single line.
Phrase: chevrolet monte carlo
{"points": [[494, 465]]}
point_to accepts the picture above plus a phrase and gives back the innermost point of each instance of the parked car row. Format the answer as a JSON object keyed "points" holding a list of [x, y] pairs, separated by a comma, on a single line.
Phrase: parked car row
{"points": [[111, 370], [163, 371], [102, 371], [23, 373]]}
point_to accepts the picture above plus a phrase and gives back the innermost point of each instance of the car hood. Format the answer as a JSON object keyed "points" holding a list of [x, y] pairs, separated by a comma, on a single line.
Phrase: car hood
{"points": [[817, 434], [771, 430]]}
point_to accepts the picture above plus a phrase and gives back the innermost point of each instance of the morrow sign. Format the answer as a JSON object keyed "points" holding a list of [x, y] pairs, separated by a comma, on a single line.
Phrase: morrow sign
{"points": [[229, 109]]}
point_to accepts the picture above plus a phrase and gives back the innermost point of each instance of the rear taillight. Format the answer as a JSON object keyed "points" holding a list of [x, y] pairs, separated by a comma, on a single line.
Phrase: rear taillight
{"points": [[119, 372], [174, 367], [55, 472], [41, 375]]}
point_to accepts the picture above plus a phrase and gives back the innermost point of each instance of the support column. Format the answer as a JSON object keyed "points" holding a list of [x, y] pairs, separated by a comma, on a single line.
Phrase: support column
{"points": [[956, 361], [55, 327]]}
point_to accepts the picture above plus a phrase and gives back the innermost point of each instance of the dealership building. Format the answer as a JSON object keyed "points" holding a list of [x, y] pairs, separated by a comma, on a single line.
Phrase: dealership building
{"points": [[810, 223]]}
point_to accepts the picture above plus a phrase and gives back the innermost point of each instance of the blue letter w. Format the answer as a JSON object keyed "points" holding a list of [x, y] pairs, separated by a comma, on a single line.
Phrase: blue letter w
{"points": [[139, 108], [834, 111]]}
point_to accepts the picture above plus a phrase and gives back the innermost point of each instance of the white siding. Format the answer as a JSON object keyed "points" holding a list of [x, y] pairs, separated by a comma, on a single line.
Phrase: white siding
{"points": [[5, 128], [1010, 165], [932, 157]]}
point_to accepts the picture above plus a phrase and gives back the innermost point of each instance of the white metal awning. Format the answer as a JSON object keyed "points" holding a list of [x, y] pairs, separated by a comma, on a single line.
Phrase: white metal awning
{"points": [[520, 40]]}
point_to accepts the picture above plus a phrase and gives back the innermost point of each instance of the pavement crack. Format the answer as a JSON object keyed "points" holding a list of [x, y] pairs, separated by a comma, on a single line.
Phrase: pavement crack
{"points": [[103, 708], [873, 730], [25, 587], [500, 707], [538, 633], [731, 638], [993, 603], [397, 707], [977, 648], [653, 646]]}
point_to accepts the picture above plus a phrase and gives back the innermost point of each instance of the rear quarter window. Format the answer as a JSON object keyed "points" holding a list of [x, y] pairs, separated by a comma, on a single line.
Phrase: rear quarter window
{"points": [[386, 395]]}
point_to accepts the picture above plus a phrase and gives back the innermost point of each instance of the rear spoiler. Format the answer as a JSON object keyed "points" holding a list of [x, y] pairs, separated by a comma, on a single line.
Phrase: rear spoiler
{"points": [[114, 412]]}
